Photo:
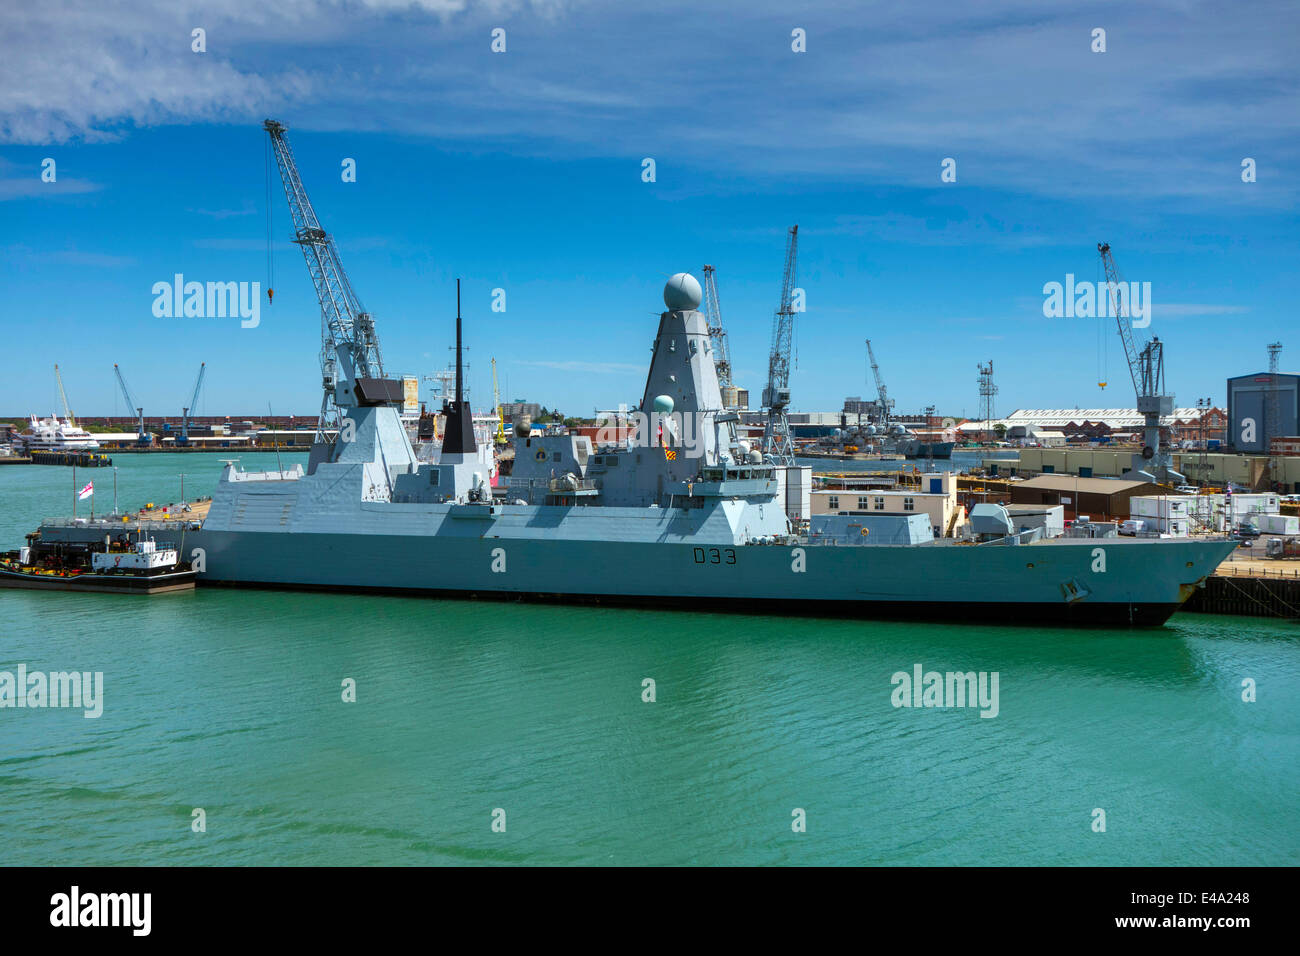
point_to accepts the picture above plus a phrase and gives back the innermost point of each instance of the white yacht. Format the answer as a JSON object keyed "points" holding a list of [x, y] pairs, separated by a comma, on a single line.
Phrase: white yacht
{"points": [[54, 434]]}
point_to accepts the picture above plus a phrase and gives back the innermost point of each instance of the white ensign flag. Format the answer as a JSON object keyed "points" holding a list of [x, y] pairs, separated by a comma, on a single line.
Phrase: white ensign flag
{"points": [[87, 491]]}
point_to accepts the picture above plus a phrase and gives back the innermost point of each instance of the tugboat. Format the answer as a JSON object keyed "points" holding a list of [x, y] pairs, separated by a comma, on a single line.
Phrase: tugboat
{"points": [[140, 567]]}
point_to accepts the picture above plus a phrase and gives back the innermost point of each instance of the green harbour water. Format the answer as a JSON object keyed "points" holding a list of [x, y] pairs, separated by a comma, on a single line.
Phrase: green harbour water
{"points": [[231, 701]]}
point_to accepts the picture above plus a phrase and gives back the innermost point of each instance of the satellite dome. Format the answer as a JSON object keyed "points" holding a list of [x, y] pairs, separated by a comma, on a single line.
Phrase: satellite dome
{"points": [[683, 293]]}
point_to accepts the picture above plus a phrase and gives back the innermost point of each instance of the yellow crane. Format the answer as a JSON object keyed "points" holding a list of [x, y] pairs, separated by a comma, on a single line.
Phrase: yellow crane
{"points": [[496, 402], [67, 411]]}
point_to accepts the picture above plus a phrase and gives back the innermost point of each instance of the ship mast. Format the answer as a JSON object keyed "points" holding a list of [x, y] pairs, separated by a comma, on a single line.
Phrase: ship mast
{"points": [[458, 438]]}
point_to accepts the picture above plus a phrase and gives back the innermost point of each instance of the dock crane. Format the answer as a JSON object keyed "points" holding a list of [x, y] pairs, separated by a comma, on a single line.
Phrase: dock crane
{"points": [[142, 437], [63, 396], [776, 396], [1146, 366], [883, 401], [184, 440], [717, 334], [352, 369]]}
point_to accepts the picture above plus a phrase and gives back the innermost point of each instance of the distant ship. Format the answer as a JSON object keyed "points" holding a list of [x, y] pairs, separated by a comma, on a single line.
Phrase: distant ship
{"points": [[54, 434], [917, 448], [892, 438]]}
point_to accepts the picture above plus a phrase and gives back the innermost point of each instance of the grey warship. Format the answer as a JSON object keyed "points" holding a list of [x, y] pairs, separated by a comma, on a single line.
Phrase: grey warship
{"points": [[660, 523], [681, 515]]}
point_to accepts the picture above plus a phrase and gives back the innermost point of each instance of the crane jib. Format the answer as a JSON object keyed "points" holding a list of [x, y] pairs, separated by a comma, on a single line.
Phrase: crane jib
{"points": [[349, 343]]}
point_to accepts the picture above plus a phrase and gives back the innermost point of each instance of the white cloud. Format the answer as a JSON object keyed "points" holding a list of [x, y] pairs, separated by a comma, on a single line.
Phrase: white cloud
{"points": [[246, 210], [33, 188], [17, 182], [242, 245], [1009, 88], [1172, 310], [594, 368], [23, 255]]}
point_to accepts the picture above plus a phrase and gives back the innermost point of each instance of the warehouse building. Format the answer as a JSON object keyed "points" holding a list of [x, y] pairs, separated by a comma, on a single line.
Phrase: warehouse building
{"points": [[1281, 474], [1248, 403], [1101, 499], [1099, 424]]}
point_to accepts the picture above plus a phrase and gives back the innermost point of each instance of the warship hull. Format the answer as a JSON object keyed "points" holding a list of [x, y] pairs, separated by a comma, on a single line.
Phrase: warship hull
{"points": [[925, 449], [1057, 581]]}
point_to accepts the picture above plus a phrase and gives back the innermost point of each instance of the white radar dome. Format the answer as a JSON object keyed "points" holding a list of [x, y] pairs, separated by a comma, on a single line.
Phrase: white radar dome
{"points": [[683, 293]]}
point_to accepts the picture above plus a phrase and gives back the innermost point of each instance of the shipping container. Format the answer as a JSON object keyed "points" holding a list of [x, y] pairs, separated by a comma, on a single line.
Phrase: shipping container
{"points": [[1279, 524], [1160, 506]]}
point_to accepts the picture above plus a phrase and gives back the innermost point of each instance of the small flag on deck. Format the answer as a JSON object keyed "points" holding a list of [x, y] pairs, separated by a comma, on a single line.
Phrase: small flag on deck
{"points": [[86, 492]]}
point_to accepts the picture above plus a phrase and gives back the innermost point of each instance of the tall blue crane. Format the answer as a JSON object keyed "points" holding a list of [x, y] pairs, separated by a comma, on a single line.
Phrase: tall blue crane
{"points": [[352, 369], [142, 437], [717, 333], [776, 396], [1146, 366], [184, 440], [884, 403]]}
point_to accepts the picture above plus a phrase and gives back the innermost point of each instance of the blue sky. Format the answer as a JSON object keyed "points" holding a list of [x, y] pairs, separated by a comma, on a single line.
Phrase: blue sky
{"points": [[522, 170]]}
